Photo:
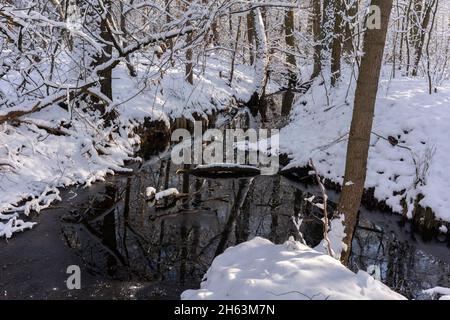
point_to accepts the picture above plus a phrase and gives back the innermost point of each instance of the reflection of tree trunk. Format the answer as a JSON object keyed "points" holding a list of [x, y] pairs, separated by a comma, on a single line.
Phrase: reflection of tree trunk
{"points": [[183, 251], [167, 180], [162, 230], [126, 214], [275, 204], [109, 234], [194, 246], [243, 221], [298, 216], [183, 229], [244, 186], [198, 195], [186, 185]]}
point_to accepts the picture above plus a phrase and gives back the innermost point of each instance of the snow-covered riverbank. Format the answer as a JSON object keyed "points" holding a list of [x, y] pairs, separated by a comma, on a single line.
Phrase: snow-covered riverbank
{"points": [[36, 162], [412, 163]]}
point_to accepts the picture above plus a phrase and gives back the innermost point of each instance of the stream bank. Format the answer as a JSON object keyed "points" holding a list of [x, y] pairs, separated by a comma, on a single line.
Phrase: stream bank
{"points": [[128, 249]]}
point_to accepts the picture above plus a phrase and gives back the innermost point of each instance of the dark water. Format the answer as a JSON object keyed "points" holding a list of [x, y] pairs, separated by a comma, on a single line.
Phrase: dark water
{"points": [[130, 249], [121, 236]]}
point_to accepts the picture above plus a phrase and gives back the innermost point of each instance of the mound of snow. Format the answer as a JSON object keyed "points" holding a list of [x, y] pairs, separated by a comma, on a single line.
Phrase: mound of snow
{"points": [[444, 293], [261, 270]]}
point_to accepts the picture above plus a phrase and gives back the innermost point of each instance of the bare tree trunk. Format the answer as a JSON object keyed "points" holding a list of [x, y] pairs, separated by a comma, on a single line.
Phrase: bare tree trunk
{"points": [[288, 97], [189, 57], [235, 49], [361, 126], [251, 37], [421, 37], [336, 50], [256, 102], [408, 39], [189, 62], [430, 34], [105, 74], [317, 33]]}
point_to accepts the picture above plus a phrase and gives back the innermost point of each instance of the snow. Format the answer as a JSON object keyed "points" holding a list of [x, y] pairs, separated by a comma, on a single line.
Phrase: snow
{"points": [[261, 270], [166, 193], [405, 111], [439, 291], [34, 163], [336, 234], [150, 192], [14, 225], [443, 229]]}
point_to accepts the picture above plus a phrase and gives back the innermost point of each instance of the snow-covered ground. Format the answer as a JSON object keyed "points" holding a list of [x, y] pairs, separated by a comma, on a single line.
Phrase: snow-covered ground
{"points": [[34, 163], [405, 111], [261, 270]]}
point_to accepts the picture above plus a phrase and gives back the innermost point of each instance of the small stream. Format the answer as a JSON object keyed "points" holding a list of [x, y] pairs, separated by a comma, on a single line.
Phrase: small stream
{"points": [[130, 249], [118, 235]]}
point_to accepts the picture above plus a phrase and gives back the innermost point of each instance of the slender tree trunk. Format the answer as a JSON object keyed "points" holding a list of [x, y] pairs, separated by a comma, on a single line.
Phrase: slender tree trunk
{"points": [[408, 39], [288, 97], [349, 28], [336, 50], [189, 72], [317, 33], [430, 34], [361, 126], [251, 37], [106, 74], [256, 103], [235, 49], [421, 37]]}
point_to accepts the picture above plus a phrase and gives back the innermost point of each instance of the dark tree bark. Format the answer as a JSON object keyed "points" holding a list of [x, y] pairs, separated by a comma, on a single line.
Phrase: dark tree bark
{"points": [[288, 97], [317, 32], [422, 30], [336, 52]]}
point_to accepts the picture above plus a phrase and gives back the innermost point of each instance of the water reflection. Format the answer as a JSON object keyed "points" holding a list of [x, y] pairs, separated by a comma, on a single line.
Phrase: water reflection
{"points": [[119, 235]]}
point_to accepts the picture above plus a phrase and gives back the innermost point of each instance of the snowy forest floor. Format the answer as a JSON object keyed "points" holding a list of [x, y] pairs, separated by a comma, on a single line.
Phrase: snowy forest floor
{"points": [[35, 163], [414, 161]]}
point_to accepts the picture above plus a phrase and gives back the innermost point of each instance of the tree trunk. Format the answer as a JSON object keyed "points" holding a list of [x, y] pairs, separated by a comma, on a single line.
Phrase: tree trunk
{"points": [[317, 32], [256, 103], [336, 52], [349, 28], [106, 73], [288, 97], [361, 126], [422, 30], [251, 37], [189, 57]]}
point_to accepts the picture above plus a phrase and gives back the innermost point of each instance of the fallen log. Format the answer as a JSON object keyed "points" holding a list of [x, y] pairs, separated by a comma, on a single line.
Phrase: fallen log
{"points": [[222, 171]]}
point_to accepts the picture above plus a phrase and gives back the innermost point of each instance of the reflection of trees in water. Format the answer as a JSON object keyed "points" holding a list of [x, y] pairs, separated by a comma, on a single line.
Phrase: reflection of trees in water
{"points": [[404, 268], [118, 235]]}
